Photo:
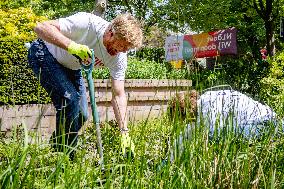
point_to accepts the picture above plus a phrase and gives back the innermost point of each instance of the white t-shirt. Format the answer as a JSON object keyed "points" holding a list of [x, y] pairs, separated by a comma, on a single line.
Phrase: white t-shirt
{"points": [[220, 106], [88, 29]]}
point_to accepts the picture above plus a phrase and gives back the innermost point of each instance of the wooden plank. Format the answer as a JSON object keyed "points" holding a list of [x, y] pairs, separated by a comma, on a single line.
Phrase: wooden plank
{"points": [[129, 83], [147, 98]]}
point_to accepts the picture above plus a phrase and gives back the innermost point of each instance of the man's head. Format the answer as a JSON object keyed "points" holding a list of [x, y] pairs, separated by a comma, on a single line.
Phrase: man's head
{"points": [[124, 33], [185, 104]]}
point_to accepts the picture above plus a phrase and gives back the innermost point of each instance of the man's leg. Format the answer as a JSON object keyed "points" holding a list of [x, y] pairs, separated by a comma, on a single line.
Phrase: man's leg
{"points": [[64, 92], [82, 106]]}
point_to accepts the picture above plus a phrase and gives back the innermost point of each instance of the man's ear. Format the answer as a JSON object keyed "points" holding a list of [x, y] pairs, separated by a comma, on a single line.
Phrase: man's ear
{"points": [[111, 33]]}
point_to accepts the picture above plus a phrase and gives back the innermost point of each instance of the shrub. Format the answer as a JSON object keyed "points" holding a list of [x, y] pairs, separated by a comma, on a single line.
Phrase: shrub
{"points": [[272, 86], [18, 85], [152, 54], [145, 69], [244, 73]]}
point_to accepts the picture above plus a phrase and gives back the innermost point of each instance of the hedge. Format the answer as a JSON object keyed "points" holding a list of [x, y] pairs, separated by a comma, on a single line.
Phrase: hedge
{"points": [[18, 84], [145, 69]]}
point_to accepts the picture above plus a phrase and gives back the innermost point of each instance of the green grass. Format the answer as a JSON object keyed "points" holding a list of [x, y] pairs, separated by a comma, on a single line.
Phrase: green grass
{"points": [[229, 162]]}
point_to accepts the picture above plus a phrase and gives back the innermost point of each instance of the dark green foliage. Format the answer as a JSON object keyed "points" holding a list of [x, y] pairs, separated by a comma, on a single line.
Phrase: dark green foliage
{"points": [[154, 54], [243, 73]]}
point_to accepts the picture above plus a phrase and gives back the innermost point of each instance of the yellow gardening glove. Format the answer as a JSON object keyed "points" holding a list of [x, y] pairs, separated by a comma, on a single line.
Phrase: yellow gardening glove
{"points": [[127, 146], [82, 52]]}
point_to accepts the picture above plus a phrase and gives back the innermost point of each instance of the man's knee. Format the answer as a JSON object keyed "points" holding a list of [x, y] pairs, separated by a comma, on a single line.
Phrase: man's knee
{"points": [[72, 98], [67, 107]]}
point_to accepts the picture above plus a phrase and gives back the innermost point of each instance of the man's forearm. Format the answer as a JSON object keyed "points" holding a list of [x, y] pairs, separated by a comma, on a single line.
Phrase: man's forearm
{"points": [[50, 32], [119, 104]]}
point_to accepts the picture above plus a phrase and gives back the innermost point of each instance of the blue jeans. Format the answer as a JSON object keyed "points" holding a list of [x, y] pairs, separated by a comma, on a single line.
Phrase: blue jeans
{"points": [[67, 91]]}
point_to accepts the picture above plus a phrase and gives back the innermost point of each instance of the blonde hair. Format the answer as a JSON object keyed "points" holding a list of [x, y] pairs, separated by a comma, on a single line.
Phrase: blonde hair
{"points": [[126, 27]]}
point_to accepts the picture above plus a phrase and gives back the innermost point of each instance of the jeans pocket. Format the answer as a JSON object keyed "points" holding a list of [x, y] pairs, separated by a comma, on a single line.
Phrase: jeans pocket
{"points": [[37, 55], [33, 62]]}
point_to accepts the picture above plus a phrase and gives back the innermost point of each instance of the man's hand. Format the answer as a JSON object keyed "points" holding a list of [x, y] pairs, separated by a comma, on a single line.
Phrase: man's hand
{"points": [[127, 146], [82, 52]]}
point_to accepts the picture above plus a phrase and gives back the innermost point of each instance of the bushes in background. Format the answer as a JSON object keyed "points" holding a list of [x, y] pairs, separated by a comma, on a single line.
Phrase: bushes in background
{"points": [[18, 84], [152, 54], [145, 69], [272, 86]]}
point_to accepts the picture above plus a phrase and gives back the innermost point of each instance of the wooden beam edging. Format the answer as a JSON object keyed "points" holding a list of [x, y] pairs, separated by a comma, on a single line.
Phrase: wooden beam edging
{"points": [[147, 98], [130, 83]]}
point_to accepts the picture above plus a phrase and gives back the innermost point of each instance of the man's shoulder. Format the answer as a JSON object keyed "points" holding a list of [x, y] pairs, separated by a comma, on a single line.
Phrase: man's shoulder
{"points": [[85, 14], [88, 15]]}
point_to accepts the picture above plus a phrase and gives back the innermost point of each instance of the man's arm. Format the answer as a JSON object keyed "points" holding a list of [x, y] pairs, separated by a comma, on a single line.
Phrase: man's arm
{"points": [[50, 32], [119, 103]]}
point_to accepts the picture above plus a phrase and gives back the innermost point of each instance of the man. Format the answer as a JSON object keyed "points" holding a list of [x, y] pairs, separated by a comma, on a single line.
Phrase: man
{"points": [[221, 110], [56, 59]]}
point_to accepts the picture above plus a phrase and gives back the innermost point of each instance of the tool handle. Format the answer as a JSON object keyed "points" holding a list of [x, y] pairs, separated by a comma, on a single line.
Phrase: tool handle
{"points": [[95, 114]]}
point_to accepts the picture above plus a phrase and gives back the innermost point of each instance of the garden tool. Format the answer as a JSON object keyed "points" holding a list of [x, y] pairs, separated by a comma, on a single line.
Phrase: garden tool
{"points": [[88, 70]]}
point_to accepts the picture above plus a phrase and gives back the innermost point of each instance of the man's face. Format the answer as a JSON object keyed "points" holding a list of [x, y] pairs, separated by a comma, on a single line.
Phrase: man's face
{"points": [[116, 46]]}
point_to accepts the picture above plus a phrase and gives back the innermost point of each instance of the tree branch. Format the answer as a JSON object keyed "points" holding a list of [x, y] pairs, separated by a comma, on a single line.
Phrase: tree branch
{"points": [[268, 8], [100, 7], [259, 12], [261, 5]]}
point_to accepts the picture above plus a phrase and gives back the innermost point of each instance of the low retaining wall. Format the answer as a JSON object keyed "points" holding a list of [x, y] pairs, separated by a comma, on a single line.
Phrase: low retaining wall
{"points": [[146, 99]]}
